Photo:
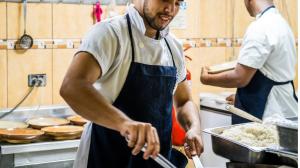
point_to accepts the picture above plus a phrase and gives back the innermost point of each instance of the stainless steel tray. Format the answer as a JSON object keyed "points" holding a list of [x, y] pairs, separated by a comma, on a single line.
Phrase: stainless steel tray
{"points": [[288, 136], [286, 157], [237, 151], [282, 152]]}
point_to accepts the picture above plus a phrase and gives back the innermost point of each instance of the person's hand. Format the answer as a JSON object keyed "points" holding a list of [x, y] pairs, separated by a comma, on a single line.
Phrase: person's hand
{"points": [[193, 143], [138, 134], [231, 99], [204, 75]]}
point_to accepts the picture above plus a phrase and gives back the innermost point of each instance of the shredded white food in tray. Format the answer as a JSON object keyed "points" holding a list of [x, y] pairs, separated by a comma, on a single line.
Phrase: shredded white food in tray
{"points": [[253, 134]]}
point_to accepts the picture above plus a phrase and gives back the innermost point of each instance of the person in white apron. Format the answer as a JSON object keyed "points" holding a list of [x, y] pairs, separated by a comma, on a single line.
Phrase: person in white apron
{"points": [[266, 66], [138, 74]]}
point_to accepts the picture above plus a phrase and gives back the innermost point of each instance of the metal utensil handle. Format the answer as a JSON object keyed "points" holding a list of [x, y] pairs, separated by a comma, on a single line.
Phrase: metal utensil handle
{"points": [[242, 114], [160, 159], [24, 13]]}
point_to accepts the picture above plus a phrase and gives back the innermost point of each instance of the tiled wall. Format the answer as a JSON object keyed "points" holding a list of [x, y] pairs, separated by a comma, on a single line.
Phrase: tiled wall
{"points": [[61, 60], [39, 20], [205, 19], [44, 21], [3, 78], [36, 61], [71, 21], [2, 20]]}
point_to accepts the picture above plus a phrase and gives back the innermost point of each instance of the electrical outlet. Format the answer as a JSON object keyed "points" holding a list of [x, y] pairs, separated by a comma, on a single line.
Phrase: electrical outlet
{"points": [[38, 80]]}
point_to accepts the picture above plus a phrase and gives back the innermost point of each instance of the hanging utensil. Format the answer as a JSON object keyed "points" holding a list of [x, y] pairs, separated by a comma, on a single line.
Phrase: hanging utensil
{"points": [[97, 11], [26, 41], [197, 162], [242, 113]]}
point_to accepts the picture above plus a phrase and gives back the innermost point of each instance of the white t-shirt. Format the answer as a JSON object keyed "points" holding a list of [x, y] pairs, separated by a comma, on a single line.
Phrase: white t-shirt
{"points": [[269, 46], [109, 42]]}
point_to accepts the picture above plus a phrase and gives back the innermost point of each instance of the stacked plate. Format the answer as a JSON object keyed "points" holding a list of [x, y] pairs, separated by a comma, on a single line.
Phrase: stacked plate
{"points": [[65, 132]]}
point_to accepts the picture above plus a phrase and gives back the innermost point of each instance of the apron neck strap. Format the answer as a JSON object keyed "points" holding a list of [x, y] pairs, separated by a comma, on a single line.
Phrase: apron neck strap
{"points": [[170, 51], [130, 35]]}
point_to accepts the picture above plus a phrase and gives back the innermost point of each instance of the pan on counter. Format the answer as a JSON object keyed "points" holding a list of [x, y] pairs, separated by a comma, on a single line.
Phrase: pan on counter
{"points": [[239, 152], [288, 135], [42, 122], [234, 150]]}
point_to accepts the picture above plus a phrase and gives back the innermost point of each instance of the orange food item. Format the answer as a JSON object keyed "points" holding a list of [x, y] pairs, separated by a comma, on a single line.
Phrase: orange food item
{"points": [[20, 133], [77, 120], [64, 132], [63, 129]]}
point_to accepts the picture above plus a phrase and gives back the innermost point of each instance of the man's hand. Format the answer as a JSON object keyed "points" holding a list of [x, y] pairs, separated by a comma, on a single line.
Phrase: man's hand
{"points": [[193, 143], [138, 134], [231, 99], [239, 77], [204, 75]]}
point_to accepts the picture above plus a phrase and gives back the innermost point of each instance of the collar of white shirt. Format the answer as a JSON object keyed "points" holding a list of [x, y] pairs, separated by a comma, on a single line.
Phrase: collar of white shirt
{"points": [[260, 14], [138, 21]]}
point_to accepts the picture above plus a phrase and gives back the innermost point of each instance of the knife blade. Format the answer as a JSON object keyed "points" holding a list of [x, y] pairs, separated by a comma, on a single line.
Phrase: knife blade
{"points": [[197, 162]]}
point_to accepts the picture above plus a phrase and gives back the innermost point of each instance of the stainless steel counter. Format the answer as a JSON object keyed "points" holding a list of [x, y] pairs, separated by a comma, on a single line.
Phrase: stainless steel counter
{"points": [[213, 114], [6, 148], [208, 102], [39, 154], [48, 154]]}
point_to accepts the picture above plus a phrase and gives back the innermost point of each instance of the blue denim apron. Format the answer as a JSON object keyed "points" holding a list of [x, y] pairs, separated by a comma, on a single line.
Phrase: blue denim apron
{"points": [[254, 96], [146, 97]]}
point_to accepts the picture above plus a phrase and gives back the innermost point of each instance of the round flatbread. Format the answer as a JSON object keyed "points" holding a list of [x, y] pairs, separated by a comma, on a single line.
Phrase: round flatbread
{"points": [[77, 120], [41, 122], [20, 133], [12, 124], [63, 130]]}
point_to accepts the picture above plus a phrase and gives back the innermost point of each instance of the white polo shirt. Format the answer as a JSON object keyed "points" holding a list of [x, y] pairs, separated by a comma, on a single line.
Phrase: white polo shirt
{"points": [[109, 42], [269, 46]]}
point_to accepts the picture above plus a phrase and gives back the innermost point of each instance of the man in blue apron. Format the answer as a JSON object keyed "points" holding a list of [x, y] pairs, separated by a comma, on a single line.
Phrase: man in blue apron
{"points": [[265, 70], [124, 78]]}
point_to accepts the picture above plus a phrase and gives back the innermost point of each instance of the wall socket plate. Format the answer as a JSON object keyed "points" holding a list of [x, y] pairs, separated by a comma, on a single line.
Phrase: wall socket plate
{"points": [[34, 78]]}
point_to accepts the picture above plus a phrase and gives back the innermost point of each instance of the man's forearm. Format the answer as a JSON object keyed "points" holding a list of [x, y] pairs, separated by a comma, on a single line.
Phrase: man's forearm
{"points": [[85, 100], [188, 116], [229, 79]]}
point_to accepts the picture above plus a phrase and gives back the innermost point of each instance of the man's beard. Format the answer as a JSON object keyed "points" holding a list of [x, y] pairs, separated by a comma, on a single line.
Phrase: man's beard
{"points": [[151, 20]]}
